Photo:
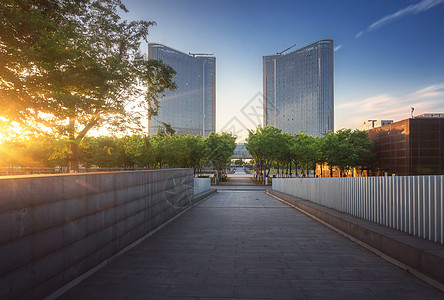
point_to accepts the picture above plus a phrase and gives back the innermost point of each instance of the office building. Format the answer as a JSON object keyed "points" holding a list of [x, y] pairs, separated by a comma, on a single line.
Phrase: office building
{"points": [[241, 152], [298, 89], [191, 108], [431, 115], [409, 147], [370, 124]]}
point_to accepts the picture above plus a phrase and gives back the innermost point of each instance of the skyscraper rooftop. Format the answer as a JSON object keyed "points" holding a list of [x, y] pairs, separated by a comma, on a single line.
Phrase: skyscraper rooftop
{"points": [[298, 89]]}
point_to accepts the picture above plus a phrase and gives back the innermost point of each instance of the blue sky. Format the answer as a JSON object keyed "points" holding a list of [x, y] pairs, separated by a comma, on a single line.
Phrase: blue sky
{"points": [[389, 57]]}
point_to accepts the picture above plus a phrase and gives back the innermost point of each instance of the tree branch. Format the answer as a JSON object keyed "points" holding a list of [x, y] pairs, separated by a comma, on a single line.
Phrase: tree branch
{"points": [[93, 121]]}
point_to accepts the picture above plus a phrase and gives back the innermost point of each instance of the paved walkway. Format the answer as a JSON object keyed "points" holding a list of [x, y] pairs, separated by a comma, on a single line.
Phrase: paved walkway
{"points": [[239, 178], [243, 181], [240, 173], [248, 245]]}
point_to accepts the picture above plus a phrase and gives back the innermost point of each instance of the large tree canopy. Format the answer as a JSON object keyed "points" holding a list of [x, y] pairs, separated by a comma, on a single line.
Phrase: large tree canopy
{"points": [[68, 66]]}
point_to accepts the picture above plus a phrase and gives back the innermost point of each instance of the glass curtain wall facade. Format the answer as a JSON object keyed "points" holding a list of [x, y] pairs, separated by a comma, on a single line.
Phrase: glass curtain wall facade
{"points": [[409, 147], [298, 89], [191, 108]]}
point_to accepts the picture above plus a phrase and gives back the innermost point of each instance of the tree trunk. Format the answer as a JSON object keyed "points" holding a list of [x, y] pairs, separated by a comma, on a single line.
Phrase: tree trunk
{"points": [[258, 171], [262, 172], [73, 161], [73, 164]]}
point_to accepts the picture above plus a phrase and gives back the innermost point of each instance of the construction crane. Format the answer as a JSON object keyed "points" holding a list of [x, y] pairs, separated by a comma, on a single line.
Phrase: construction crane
{"points": [[200, 54], [280, 53]]}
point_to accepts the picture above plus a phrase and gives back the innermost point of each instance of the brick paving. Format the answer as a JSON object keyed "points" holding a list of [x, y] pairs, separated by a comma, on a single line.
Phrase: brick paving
{"points": [[248, 245]]}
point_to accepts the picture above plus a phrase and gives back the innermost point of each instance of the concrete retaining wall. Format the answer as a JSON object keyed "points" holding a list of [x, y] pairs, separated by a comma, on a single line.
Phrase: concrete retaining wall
{"points": [[53, 228], [201, 185], [413, 204]]}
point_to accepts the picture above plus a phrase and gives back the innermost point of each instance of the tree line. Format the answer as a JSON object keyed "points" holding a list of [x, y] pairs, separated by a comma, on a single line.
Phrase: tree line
{"points": [[344, 149], [133, 151]]}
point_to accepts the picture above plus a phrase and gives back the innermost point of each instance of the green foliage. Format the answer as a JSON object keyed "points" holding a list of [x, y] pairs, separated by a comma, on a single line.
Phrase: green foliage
{"points": [[345, 149], [239, 162], [196, 146], [135, 151], [105, 152], [265, 144], [74, 65], [34, 151], [218, 149], [305, 151], [166, 129]]}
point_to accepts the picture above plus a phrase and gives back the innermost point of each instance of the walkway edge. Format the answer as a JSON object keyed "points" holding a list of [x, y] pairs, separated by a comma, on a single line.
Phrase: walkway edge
{"points": [[203, 195], [407, 252], [197, 199]]}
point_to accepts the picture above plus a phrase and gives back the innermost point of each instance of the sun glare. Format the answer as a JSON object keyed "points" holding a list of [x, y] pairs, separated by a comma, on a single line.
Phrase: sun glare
{"points": [[9, 133]]}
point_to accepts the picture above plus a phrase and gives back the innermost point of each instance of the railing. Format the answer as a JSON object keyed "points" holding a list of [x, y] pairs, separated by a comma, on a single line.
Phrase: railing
{"points": [[413, 204]]}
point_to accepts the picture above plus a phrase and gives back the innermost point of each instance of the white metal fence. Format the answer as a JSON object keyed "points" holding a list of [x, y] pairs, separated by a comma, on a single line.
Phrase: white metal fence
{"points": [[413, 204]]}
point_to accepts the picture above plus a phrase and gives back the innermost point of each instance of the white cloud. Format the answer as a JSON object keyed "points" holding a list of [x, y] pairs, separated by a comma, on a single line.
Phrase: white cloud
{"points": [[388, 107], [412, 9], [359, 34], [337, 48], [428, 92]]}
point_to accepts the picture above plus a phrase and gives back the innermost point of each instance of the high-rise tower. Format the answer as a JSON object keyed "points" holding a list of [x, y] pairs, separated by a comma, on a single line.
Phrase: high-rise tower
{"points": [[191, 108], [298, 89]]}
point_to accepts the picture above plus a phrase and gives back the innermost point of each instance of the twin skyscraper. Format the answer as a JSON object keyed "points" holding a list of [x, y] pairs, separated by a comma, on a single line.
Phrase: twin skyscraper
{"points": [[191, 108], [298, 91]]}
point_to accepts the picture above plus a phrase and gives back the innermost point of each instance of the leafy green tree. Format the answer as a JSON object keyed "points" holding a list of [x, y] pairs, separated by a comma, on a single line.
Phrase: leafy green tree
{"points": [[361, 156], [264, 145], [346, 149], [156, 146], [177, 152], [218, 149], [315, 154], [107, 152], [321, 158], [238, 162], [330, 150], [196, 153], [86, 152], [75, 65], [136, 151], [30, 151], [305, 151], [283, 156], [254, 146]]}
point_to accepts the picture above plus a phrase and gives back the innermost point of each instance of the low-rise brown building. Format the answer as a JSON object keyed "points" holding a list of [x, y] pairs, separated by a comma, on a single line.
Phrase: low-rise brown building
{"points": [[409, 147]]}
